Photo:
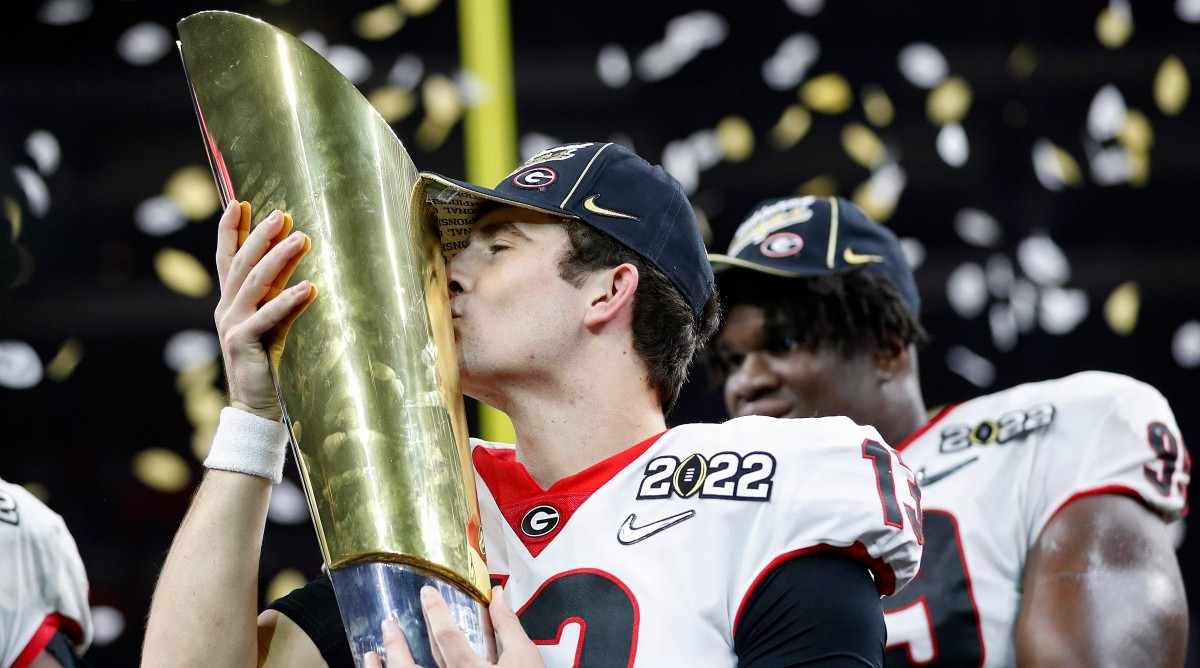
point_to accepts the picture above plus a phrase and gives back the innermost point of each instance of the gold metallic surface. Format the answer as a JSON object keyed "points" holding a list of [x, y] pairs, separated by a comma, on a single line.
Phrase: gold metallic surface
{"points": [[368, 378]]}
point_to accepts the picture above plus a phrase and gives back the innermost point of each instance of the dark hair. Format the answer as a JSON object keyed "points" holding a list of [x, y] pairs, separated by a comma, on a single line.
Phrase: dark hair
{"points": [[665, 334], [852, 313]]}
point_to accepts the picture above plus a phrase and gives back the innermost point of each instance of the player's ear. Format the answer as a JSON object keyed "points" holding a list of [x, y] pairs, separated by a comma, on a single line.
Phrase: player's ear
{"points": [[611, 293], [893, 357]]}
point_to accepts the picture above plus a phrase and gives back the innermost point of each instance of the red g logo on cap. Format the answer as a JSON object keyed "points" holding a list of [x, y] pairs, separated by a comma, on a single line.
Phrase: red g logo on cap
{"points": [[535, 177], [781, 244]]}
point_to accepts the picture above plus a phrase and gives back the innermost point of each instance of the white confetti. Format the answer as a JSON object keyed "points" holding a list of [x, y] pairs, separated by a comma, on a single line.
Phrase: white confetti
{"points": [[975, 368], [20, 366], [923, 64], [1043, 261], [966, 289], [1062, 310], [1185, 345]]}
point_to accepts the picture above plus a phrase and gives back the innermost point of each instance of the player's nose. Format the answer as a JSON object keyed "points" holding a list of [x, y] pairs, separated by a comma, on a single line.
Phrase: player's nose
{"points": [[458, 275], [753, 378]]}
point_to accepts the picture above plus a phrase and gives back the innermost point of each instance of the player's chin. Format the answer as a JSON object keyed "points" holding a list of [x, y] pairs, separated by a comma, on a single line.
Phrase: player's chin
{"points": [[768, 408]]}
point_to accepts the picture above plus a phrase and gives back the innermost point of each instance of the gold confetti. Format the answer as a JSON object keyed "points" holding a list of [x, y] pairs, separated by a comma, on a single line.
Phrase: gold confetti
{"points": [[161, 469], [1055, 167], [863, 145], [1171, 86], [736, 138], [822, 185], [877, 208], [68, 357], [182, 273], [877, 106], [949, 102], [828, 94], [417, 7], [203, 407], [1121, 308], [202, 438], [443, 108], [1136, 134], [12, 211], [440, 98], [791, 127], [197, 378], [393, 104], [283, 583], [379, 23], [193, 190], [1139, 168], [1022, 61], [1114, 25]]}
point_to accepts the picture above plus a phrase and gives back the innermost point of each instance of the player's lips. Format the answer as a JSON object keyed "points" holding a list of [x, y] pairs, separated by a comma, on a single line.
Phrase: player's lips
{"points": [[768, 407]]}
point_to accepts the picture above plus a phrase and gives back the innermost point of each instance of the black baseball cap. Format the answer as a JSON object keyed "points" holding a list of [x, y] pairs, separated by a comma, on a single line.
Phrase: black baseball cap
{"points": [[815, 236], [602, 184]]}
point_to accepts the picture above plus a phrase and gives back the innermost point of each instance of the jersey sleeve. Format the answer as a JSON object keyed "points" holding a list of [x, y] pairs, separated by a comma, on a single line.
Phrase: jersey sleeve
{"points": [[1110, 434], [44, 578], [839, 487], [819, 609], [314, 609]]}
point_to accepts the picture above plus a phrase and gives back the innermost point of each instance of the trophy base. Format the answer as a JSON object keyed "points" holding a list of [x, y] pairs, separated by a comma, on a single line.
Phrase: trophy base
{"points": [[368, 593]]}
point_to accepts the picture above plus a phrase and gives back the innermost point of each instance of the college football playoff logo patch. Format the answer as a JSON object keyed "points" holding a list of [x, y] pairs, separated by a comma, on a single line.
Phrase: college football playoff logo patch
{"points": [[1012, 426], [725, 475]]}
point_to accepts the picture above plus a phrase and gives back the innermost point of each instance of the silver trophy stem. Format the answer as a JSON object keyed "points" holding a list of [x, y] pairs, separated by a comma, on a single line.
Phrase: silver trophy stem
{"points": [[368, 593]]}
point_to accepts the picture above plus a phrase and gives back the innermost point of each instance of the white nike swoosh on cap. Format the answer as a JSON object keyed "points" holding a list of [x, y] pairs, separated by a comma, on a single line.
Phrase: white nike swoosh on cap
{"points": [[629, 534]]}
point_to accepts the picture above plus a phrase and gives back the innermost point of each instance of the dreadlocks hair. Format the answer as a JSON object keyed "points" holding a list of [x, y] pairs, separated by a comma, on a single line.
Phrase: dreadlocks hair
{"points": [[666, 336], [852, 313]]}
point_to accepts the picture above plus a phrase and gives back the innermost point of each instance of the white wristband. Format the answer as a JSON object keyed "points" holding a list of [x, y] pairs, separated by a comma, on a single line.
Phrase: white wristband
{"points": [[247, 443]]}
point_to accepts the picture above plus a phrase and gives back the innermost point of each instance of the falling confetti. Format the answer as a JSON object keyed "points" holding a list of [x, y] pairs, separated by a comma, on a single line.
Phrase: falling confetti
{"points": [[1121, 308]]}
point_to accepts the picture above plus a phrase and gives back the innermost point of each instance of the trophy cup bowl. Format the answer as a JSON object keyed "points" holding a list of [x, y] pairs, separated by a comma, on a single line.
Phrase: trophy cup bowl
{"points": [[368, 377]]}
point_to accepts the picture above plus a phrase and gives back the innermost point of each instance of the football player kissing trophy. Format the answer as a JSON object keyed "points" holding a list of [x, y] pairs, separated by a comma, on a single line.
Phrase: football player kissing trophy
{"points": [[368, 378]]}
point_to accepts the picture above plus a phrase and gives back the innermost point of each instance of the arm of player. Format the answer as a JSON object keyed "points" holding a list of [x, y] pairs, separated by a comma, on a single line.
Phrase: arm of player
{"points": [[204, 608], [1102, 587]]}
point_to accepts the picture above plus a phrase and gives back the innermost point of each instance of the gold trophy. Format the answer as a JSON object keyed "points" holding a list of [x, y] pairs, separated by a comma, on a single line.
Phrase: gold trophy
{"points": [[368, 379]]}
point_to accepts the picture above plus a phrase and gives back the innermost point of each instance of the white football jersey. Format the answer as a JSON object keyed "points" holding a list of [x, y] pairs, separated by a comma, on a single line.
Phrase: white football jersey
{"points": [[993, 472], [647, 558], [43, 585]]}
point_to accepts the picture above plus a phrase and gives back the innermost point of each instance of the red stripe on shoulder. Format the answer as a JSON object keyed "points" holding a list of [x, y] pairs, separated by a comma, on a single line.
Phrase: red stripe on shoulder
{"points": [[40, 639], [926, 427]]}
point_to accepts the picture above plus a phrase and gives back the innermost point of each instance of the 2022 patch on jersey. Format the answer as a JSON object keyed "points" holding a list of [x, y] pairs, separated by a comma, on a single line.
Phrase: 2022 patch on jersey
{"points": [[993, 472], [647, 558]]}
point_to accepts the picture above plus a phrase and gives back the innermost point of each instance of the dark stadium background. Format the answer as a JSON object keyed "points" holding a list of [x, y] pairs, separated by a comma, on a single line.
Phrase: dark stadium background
{"points": [[97, 126]]}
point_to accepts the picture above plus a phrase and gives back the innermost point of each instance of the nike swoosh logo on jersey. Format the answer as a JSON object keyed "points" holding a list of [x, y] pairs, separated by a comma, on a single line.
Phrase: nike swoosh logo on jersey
{"points": [[590, 205], [859, 258], [926, 480], [629, 534]]}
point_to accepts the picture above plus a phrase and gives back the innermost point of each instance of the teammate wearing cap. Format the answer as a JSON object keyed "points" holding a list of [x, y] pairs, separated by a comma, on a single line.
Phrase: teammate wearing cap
{"points": [[581, 295], [1046, 505], [45, 619]]}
